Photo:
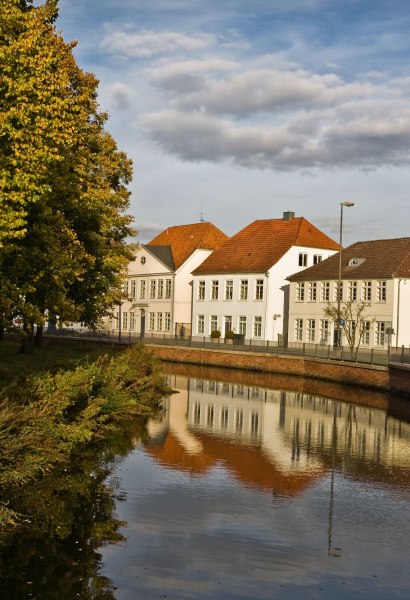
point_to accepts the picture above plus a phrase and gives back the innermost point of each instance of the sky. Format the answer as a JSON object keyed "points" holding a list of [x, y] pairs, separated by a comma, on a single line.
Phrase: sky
{"points": [[236, 110]]}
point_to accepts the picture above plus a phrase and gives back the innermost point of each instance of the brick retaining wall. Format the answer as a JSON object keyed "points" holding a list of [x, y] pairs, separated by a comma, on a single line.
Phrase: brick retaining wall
{"points": [[370, 376]]}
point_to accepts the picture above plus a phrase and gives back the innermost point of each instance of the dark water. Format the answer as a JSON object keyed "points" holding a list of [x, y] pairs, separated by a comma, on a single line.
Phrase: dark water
{"points": [[245, 487]]}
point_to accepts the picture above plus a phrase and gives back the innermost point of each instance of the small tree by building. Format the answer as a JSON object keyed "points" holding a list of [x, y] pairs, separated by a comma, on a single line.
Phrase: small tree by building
{"points": [[354, 321]]}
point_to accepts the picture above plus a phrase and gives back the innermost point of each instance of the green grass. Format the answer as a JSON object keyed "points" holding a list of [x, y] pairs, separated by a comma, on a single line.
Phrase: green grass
{"points": [[52, 356]]}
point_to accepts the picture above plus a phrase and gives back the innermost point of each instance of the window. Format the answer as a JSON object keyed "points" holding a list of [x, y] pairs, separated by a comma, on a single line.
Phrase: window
{"points": [[352, 291], [143, 260], [254, 423], [381, 291], [132, 321], [201, 324], [380, 334], [239, 421], [151, 321], [197, 413], [133, 289], [214, 290], [259, 289], [210, 415], [160, 288], [125, 320], [325, 292], [335, 290], [167, 321], [302, 259], [311, 330], [224, 417], [244, 289], [142, 289], [201, 290], [317, 258], [229, 289], [367, 291], [257, 327], [152, 288], [167, 289], [242, 326], [159, 321], [300, 292], [365, 333], [312, 291], [324, 331], [125, 288], [214, 322], [299, 330]]}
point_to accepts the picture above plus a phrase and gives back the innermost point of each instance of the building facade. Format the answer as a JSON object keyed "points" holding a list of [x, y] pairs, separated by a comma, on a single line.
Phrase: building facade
{"points": [[157, 290], [242, 286], [374, 297]]}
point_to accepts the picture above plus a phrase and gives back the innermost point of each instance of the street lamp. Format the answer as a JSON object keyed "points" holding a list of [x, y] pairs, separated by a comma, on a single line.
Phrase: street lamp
{"points": [[339, 285]]}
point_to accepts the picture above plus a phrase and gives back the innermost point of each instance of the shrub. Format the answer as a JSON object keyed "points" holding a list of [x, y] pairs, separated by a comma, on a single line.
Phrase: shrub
{"points": [[215, 333]]}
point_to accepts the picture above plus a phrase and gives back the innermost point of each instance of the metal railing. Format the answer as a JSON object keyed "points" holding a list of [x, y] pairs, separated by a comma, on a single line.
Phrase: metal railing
{"points": [[372, 356]]}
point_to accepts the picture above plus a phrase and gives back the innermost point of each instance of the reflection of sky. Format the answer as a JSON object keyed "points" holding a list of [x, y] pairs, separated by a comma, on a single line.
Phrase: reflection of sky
{"points": [[208, 537]]}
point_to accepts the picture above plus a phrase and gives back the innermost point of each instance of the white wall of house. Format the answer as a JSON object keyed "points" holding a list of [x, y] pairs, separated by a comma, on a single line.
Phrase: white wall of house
{"points": [[262, 317], [401, 312], [306, 316]]}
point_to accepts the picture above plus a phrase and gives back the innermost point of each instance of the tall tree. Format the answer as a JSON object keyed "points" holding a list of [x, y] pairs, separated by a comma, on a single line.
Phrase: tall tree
{"points": [[63, 182]]}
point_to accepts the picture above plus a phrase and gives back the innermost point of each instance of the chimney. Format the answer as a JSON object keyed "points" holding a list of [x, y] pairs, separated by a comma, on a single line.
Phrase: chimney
{"points": [[288, 215]]}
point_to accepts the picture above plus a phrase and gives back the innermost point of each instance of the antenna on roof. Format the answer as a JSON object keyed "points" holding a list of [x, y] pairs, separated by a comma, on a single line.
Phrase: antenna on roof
{"points": [[201, 214]]}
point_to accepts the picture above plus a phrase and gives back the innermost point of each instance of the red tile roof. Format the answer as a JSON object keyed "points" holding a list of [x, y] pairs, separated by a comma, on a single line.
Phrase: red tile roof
{"points": [[260, 245], [376, 258], [185, 239]]}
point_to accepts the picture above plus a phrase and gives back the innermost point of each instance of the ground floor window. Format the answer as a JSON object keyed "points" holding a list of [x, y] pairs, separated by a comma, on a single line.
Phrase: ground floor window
{"points": [[242, 326], [214, 322], [298, 330], [159, 321], [257, 327], [201, 324], [380, 333], [167, 321], [151, 324], [311, 330], [365, 333], [324, 331], [132, 321]]}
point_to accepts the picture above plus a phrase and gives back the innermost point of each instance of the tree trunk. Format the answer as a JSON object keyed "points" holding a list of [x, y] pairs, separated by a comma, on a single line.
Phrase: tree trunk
{"points": [[1, 330], [39, 335], [27, 343]]}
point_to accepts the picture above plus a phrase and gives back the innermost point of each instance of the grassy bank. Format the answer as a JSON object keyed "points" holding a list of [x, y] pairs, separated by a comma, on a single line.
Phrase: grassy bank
{"points": [[61, 398]]}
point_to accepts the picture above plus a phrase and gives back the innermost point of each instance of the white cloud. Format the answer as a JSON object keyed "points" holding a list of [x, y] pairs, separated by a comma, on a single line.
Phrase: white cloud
{"points": [[145, 44]]}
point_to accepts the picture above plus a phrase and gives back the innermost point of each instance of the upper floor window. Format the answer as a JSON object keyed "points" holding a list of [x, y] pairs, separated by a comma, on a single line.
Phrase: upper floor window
{"points": [[201, 290], [367, 291], [325, 292], [381, 291], [160, 288], [168, 285], [229, 289], [215, 290], [312, 291], [352, 291], [133, 289], [302, 259], [317, 258], [259, 289], [300, 292], [244, 289], [336, 289], [152, 288], [142, 289]]}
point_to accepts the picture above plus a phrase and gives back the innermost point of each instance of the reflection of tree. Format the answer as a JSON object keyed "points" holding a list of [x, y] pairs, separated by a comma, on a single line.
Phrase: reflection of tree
{"points": [[68, 516]]}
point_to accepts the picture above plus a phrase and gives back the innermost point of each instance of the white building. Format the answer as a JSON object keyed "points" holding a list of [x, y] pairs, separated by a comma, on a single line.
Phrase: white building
{"points": [[242, 287], [158, 285], [375, 273]]}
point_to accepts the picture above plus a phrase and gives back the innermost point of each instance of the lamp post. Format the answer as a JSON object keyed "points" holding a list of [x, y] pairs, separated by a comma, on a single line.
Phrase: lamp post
{"points": [[339, 285]]}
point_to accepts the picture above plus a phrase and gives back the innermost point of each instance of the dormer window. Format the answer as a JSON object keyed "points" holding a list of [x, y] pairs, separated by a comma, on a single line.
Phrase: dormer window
{"points": [[355, 262]]}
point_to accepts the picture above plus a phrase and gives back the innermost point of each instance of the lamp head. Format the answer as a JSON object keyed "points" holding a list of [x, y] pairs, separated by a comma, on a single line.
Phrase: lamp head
{"points": [[347, 204]]}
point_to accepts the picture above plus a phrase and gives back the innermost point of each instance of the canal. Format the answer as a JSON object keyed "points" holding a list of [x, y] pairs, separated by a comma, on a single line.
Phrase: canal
{"points": [[245, 486]]}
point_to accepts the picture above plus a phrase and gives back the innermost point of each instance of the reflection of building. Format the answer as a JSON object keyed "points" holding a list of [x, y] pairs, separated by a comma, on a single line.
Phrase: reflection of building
{"points": [[277, 440]]}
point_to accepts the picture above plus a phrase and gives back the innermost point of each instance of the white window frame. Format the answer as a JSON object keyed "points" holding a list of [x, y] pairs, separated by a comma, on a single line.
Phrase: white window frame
{"points": [[168, 289], [259, 289], [143, 289], [152, 288], [303, 259], [298, 332], [257, 327], [381, 291], [300, 291], [325, 291], [201, 290], [312, 291], [244, 290], [215, 289], [167, 321], [311, 331], [367, 291], [352, 291], [242, 325], [200, 324], [160, 293], [229, 289]]}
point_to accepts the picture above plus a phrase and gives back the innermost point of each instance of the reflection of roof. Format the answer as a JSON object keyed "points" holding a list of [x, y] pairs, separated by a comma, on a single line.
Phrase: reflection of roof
{"points": [[246, 463], [183, 240], [260, 245], [376, 258]]}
